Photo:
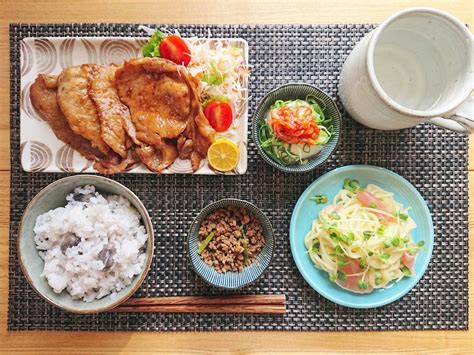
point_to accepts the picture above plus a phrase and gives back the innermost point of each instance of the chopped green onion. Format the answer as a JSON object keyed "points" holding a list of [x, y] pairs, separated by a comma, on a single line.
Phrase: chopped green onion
{"points": [[403, 216], [387, 243], [213, 77], [362, 264], [351, 185], [332, 277], [315, 247], [405, 270], [373, 205], [205, 243], [362, 284], [279, 103], [385, 256], [368, 235], [275, 148], [381, 229], [341, 261], [378, 278], [370, 253], [341, 276], [346, 239], [335, 215], [339, 249], [396, 241], [324, 136], [319, 199], [334, 237], [421, 243], [331, 228]]}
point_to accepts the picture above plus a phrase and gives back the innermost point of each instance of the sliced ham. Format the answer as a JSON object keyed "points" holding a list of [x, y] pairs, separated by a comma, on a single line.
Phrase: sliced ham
{"points": [[353, 273], [409, 261], [366, 199]]}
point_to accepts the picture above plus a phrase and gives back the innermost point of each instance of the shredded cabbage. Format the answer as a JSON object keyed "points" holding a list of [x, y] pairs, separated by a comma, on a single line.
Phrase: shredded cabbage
{"points": [[221, 69]]}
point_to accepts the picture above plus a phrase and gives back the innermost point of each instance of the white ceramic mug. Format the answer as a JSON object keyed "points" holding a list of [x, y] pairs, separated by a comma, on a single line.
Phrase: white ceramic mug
{"points": [[417, 66]]}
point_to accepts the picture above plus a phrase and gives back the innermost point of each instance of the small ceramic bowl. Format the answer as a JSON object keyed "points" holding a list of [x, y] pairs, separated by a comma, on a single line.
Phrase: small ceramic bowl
{"points": [[231, 280], [53, 196], [293, 92]]}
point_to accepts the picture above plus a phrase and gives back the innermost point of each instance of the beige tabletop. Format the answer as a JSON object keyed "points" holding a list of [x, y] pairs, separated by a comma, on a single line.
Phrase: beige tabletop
{"points": [[207, 11]]}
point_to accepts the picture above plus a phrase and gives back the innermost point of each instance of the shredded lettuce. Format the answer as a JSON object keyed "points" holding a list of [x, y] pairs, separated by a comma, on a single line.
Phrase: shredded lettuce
{"points": [[221, 68], [152, 47]]}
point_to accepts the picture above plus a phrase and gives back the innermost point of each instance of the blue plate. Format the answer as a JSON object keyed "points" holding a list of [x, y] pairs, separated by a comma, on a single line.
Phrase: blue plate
{"points": [[330, 184]]}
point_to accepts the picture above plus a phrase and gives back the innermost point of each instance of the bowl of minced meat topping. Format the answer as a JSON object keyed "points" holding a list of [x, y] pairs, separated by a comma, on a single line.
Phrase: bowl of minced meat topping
{"points": [[230, 243]]}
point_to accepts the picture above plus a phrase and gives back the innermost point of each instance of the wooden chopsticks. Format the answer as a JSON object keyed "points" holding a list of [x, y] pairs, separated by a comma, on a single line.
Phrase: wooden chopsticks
{"points": [[268, 304]]}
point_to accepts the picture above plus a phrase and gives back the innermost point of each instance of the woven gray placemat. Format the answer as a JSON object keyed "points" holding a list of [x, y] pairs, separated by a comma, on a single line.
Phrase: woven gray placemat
{"points": [[433, 160]]}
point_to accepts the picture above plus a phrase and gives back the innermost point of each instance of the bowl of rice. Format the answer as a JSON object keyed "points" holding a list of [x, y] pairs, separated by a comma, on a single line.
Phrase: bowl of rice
{"points": [[85, 243]]}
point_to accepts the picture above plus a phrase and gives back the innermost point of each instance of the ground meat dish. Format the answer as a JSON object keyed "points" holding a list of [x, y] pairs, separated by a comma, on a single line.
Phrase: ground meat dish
{"points": [[237, 239]]}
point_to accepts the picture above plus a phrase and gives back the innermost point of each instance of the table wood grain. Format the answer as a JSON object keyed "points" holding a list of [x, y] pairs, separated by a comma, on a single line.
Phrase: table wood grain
{"points": [[238, 11]]}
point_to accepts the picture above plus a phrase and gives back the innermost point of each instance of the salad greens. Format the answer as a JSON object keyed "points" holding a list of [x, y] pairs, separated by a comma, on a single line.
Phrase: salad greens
{"points": [[152, 47]]}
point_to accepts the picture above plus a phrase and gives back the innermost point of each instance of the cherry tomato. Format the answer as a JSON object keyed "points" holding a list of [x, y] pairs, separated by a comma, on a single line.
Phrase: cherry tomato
{"points": [[175, 49], [219, 115]]}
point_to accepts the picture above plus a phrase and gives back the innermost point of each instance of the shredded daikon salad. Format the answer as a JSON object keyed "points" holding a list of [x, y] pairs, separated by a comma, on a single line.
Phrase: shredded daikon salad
{"points": [[363, 240], [221, 69]]}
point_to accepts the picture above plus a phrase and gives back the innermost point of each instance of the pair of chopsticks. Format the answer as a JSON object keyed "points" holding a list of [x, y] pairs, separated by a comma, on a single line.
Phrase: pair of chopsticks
{"points": [[268, 304]]}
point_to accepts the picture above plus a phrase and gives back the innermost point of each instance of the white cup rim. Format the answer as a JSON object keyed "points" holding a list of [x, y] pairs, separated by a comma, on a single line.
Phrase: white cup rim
{"points": [[378, 88]]}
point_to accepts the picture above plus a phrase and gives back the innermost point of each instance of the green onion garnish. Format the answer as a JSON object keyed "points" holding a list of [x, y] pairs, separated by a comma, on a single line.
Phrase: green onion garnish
{"points": [[368, 234], [385, 256], [351, 185], [362, 284], [396, 241], [405, 270], [403, 216], [205, 243], [319, 199]]}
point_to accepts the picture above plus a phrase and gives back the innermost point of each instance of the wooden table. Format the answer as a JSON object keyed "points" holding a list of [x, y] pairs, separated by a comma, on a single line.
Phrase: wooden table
{"points": [[185, 11]]}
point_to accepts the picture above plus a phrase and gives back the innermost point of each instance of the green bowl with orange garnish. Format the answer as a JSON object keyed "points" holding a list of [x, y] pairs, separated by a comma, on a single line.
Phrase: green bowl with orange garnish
{"points": [[296, 127]]}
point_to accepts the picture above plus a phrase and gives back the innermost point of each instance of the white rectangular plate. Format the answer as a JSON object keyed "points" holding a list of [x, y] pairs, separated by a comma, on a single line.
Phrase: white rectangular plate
{"points": [[41, 151]]}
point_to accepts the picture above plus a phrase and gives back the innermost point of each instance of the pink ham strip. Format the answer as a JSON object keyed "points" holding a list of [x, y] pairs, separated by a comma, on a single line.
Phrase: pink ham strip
{"points": [[366, 199], [351, 283], [409, 261]]}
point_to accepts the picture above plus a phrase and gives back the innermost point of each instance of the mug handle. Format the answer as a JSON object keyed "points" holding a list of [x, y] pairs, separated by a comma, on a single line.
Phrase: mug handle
{"points": [[462, 121]]}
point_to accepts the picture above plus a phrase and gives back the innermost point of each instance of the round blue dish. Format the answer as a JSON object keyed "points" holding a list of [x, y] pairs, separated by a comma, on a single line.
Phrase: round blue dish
{"points": [[231, 280], [293, 92], [306, 211]]}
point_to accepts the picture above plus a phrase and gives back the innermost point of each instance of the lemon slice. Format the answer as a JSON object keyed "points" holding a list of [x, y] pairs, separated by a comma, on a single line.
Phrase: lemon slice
{"points": [[223, 155]]}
